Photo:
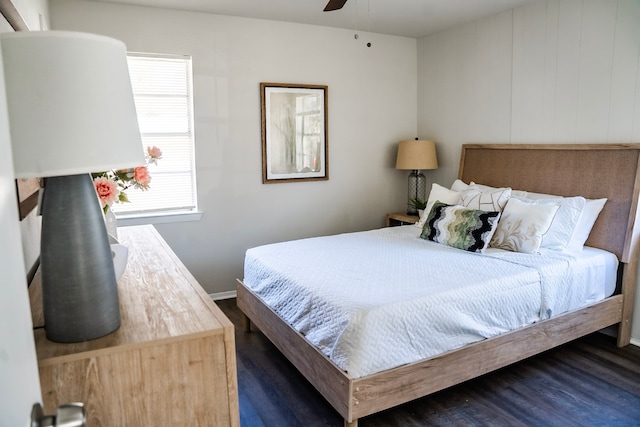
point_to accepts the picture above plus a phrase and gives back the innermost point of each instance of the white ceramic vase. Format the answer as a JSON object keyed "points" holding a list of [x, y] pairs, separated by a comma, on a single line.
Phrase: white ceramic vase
{"points": [[112, 225]]}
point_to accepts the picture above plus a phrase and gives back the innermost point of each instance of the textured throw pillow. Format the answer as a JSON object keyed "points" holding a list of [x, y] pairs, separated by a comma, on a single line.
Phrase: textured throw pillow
{"points": [[460, 227], [485, 199], [523, 224], [441, 193]]}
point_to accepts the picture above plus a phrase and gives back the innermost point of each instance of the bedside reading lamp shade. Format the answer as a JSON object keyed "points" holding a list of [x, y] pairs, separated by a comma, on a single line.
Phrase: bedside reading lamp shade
{"points": [[71, 112], [416, 155]]}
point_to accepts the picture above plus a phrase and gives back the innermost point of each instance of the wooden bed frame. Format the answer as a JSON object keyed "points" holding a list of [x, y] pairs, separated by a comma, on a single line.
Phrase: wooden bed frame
{"points": [[592, 171]]}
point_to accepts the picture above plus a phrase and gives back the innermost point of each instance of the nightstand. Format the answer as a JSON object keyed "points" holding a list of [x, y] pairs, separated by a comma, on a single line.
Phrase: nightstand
{"points": [[401, 218]]}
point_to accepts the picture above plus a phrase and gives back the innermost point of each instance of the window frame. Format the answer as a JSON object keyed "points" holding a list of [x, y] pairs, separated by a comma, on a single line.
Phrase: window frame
{"points": [[168, 215]]}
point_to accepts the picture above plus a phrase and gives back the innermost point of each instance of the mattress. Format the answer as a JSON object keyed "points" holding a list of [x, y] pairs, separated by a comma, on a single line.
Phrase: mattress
{"points": [[379, 299]]}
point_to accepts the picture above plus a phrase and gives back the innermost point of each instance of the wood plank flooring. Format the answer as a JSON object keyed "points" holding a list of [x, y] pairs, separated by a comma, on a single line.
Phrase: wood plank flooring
{"points": [[589, 382]]}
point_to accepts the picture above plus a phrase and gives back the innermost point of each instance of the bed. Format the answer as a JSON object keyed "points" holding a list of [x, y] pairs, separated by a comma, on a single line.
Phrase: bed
{"points": [[593, 171]]}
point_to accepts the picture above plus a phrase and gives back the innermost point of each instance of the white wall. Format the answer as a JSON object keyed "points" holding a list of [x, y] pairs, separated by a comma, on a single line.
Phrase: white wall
{"points": [[372, 106], [557, 71], [35, 14], [19, 381]]}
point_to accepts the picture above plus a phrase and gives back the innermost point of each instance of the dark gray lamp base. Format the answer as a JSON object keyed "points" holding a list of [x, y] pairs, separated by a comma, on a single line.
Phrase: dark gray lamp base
{"points": [[79, 289]]}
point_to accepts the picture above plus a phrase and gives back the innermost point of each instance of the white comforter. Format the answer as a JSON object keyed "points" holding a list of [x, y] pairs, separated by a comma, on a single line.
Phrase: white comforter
{"points": [[382, 298]]}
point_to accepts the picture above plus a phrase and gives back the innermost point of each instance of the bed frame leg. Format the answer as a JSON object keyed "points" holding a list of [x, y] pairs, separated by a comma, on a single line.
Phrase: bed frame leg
{"points": [[629, 277], [246, 323], [353, 423]]}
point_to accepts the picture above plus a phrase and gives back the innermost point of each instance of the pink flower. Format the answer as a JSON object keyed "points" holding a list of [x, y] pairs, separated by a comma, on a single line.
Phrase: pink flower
{"points": [[154, 154], [112, 184], [142, 177], [107, 191]]}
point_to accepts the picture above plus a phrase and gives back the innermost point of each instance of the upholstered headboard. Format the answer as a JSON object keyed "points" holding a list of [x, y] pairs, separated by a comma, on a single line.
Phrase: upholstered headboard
{"points": [[589, 170]]}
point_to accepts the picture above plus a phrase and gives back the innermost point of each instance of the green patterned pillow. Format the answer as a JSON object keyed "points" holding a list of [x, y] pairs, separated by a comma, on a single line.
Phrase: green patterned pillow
{"points": [[460, 227]]}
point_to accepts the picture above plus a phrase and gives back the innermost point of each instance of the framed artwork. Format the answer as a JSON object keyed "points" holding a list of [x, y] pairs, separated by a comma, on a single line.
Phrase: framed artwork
{"points": [[27, 190], [294, 132]]}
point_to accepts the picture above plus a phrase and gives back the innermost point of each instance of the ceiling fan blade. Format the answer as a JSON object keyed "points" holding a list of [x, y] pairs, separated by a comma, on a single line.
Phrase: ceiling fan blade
{"points": [[334, 5]]}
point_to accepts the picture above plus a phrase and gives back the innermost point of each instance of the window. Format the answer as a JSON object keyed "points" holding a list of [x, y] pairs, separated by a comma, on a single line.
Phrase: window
{"points": [[162, 92]]}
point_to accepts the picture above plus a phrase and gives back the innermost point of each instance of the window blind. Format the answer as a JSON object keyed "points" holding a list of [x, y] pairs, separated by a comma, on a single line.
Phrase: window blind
{"points": [[162, 90]]}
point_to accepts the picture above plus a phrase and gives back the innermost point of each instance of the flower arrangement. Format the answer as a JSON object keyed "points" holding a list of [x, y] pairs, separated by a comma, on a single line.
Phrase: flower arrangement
{"points": [[111, 185]]}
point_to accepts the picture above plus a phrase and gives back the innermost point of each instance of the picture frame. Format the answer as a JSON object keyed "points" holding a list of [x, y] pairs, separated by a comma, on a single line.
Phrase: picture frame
{"points": [[28, 194], [294, 132]]}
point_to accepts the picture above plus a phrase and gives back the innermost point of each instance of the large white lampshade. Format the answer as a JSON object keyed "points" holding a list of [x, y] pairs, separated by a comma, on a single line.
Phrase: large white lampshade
{"points": [[71, 112], [71, 107]]}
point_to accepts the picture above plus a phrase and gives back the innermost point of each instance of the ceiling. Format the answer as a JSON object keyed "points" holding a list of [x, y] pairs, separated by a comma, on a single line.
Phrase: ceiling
{"points": [[408, 18]]}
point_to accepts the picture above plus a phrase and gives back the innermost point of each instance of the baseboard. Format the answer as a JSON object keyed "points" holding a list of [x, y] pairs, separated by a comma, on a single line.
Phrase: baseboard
{"points": [[223, 295], [635, 342]]}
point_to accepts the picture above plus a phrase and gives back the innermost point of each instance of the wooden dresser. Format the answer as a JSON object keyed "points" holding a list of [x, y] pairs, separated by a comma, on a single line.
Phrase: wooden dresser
{"points": [[171, 362]]}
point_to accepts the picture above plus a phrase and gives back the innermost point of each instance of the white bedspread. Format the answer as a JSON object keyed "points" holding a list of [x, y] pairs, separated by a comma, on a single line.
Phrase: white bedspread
{"points": [[375, 300]]}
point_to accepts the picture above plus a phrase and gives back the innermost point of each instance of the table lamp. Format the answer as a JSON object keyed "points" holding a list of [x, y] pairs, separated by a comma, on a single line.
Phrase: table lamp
{"points": [[415, 156], [71, 112]]}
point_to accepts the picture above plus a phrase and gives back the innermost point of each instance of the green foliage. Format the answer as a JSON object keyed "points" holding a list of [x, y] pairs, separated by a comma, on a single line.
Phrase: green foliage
{"points": [[418, 203]]}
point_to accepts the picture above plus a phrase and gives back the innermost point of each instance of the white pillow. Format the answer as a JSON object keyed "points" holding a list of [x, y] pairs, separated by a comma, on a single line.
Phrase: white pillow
{"points": [[514, 193], [484, 198], [523, 224], [438, 192], [564, 223], [538, 196], [459, 185], [588, 216], [592, 209]]}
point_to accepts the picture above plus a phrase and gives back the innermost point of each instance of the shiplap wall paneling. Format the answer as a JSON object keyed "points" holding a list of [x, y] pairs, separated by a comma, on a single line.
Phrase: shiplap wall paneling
{"points": [[568, 66], [465, 87], [438, 102], [596, 66], [625, 78], [529, 76], [575, 71]]}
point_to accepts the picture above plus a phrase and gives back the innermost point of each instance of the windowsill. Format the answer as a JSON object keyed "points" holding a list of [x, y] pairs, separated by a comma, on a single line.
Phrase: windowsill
{"points": [[160, 218]]}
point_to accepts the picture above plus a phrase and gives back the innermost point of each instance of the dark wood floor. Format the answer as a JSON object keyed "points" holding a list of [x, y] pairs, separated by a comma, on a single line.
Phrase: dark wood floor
{"points": [[589, 382]]}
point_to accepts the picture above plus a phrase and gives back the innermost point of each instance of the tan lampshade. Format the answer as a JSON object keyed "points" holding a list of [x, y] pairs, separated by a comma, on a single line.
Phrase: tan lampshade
{"points": [[417, 155]]}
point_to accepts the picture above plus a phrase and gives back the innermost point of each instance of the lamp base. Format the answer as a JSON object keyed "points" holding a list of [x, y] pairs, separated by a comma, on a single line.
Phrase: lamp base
{"points": [[417, 188], [79, 288]]}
